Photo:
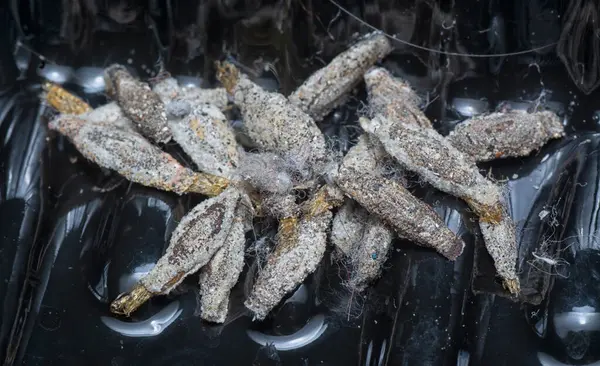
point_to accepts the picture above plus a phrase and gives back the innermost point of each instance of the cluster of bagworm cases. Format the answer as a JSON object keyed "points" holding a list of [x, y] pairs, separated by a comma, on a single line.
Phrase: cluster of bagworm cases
{"points": [[291, 155]]}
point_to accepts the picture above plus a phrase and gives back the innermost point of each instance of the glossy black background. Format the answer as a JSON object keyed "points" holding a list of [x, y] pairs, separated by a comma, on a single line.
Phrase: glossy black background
{"points": [[73, 236]]}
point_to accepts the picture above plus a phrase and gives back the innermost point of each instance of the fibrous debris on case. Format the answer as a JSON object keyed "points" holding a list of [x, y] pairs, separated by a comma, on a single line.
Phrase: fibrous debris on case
{"points": [[348, 226], [370, 253], [393, 98], [267, 172], [364, 241]]}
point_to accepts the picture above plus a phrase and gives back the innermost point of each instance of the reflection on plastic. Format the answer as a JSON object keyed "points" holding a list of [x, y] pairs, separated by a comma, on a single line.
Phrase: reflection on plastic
{"points": [[463, 358], [150, 327], [380, 357], [90, 79], [547, 360], [300, 296], [99, 289], [22, 57], [581, 319], [469, 107], [189, 81], [56, 73], [128, 281], [542, 324], [515, 106], [315, 327]]}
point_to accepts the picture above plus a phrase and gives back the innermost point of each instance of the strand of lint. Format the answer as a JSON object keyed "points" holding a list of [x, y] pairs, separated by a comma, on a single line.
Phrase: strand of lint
{"points": [[438, 51]]}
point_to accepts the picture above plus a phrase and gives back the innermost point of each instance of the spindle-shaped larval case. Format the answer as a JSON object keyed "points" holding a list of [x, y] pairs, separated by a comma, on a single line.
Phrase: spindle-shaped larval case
{"points": [[504, 135], [364, 241], [139, 102], [301, 244], [329, 86], [131, 155], [271, 121], [198, 236], [427, 153], [393, 98], [500, 241], [221, 273], [393, 203], [203, 132]]}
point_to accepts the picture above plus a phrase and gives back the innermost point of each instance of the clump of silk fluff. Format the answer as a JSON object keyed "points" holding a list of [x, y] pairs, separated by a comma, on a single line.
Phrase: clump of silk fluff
{"points": [[267, 172], [279, 174]]}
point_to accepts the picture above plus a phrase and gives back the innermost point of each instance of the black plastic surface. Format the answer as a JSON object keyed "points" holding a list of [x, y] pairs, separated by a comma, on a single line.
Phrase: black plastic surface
{"points": [[72, 236]]}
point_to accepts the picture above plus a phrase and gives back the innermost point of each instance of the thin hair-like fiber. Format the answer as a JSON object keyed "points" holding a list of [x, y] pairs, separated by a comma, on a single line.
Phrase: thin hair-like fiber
{"points": [[555, 264], [475, 55], [260, 249], [347, 303]]}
